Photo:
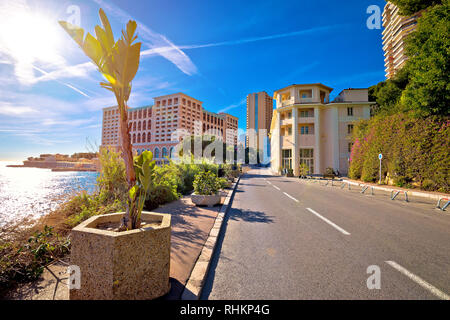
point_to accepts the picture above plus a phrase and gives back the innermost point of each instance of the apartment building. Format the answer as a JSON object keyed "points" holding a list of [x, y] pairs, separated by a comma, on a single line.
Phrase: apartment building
{"points": [[156, 127], [396, 30], [307, 128], [259, 116]]}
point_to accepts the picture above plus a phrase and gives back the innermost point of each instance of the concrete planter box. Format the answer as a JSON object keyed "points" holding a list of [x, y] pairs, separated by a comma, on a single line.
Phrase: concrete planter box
{"points": [[204, 200], [129, 265]]}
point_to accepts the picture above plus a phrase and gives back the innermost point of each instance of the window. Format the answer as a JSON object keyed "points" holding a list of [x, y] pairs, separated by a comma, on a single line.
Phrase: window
{"points": [[349, 128], [171, 152], [350, 112], [304, 114], [144, 125], [307, 157], [289, 115], [164, 152], [134, 137], [304, 130], [350, 146], [156, 153], [289, 131], [287, 159]]}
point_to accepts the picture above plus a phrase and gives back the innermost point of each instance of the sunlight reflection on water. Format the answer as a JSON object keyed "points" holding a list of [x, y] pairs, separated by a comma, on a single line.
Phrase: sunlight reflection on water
{"points": [[33, 192]]}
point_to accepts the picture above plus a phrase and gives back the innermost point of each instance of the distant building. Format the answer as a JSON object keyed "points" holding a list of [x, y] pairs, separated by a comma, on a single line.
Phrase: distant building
{"points": [[396, 30], [308, 128], [259, 116], [152, 126]]}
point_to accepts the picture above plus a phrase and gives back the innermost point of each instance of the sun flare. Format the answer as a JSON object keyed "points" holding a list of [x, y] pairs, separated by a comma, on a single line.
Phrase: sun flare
{"points": [[31, 36]]}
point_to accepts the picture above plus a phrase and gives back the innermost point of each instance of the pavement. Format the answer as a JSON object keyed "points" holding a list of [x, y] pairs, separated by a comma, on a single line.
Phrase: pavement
{"points": [[191, 226], [285, 238]]}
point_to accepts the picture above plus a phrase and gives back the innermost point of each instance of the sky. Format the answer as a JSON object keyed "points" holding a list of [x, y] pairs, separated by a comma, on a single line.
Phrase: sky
{"points": [[215, 51]]}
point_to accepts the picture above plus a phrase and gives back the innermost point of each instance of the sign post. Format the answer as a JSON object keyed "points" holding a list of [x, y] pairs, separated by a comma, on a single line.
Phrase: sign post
{"points": [[380, 156]]}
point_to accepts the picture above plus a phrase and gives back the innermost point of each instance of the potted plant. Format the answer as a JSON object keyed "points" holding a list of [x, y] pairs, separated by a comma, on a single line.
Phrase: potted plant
{"points": [[122, 255], [303, 170], [290, 173], [329, 173], [206, 189]]}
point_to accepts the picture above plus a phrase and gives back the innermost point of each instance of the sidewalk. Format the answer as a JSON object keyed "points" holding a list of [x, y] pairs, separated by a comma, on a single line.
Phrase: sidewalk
{"points": [[191, 226]]}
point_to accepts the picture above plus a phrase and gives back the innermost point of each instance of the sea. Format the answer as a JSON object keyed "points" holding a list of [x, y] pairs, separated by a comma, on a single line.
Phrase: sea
{"points": [[34, 192]]}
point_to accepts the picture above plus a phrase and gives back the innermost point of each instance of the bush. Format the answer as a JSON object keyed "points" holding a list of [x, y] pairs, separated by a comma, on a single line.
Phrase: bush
{"points": [[414, 150], [206, 183]]}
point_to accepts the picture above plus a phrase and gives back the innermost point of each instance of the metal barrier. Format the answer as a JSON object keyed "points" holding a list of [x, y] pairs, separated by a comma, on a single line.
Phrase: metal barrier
{"points": [[438, 206], [365, 188], [397, 192]]}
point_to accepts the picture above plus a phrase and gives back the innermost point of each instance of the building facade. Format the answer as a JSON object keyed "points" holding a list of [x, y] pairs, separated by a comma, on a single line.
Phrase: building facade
{"points": [[396, 29], [153, 127], [259, 116], [307, 128]]}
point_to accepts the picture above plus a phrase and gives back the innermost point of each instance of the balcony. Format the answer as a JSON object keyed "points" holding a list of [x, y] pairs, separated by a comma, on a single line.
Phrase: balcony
{"points": [[306, 140], [306, 120], [287, 102]]}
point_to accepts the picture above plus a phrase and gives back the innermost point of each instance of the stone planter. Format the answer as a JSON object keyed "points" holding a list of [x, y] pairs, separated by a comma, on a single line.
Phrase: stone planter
{"points": [[204, 200], [129, 265]]}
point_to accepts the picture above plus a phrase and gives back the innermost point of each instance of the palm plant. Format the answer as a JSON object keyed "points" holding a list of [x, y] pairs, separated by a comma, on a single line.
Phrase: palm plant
{"points": [[118, 62]]}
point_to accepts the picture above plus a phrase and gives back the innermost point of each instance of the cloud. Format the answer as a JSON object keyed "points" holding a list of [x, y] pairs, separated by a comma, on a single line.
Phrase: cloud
{"points": [[233, 106], [163, 50], [10, 110], [154, 40]]}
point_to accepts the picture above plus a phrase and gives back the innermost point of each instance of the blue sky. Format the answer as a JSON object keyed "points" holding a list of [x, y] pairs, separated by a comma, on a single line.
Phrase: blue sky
{"points": [[215, 51]]}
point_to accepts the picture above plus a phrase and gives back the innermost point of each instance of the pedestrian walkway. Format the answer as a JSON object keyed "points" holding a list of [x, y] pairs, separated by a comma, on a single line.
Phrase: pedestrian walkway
{"points": [[190, 229]]}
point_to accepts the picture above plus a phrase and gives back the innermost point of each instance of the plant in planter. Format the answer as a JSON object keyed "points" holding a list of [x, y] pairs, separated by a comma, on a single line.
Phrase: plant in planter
{"points": [[303, 170], [206, 188], [290, 173], [121, 255]]}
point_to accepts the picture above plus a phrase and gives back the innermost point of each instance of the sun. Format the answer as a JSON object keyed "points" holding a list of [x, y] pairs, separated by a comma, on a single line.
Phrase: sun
{"points": [[29, 35]]}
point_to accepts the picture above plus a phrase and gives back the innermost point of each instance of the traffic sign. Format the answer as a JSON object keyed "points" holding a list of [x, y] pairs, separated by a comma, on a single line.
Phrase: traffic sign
{"points": [[380, 156]]}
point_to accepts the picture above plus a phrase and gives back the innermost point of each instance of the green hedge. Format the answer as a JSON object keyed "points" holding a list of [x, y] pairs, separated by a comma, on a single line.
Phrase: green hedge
{"points": [[415, 151]]}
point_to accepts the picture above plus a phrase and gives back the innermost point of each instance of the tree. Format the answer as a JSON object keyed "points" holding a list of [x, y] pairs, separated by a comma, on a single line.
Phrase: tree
{"points": [[428, 90], [409, 7], [118, 62]]}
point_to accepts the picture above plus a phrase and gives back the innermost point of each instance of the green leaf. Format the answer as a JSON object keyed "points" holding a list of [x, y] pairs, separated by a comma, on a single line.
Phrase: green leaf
{"points": [[93, 49], [106, 26], [75, 32]]}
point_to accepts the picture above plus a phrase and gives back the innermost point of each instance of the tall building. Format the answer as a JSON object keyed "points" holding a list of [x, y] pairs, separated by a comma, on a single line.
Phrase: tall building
{"points": [[396, 29], [152, 126], [259, 115], [308, 129]]}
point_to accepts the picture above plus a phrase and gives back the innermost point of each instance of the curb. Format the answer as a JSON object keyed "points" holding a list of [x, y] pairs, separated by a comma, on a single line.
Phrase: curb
{"points": [[194, 285]]}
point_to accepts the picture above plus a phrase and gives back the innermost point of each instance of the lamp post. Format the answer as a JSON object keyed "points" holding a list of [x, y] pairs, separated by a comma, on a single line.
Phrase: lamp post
{"points": [[380, 156]]}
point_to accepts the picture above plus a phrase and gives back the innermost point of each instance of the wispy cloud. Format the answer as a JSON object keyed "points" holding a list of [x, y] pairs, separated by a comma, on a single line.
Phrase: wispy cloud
{"points": [[154, 40], [161, 50], [234, 105]]}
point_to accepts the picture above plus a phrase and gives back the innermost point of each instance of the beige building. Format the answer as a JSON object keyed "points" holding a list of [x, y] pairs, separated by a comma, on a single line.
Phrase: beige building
{"points": [[152, 126], [259, 115], [308, 128], [396, 29]]}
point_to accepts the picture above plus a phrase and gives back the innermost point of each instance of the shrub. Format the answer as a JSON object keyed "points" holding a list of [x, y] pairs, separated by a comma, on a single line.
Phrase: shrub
{"points": [[206, 183], [414, 150]]}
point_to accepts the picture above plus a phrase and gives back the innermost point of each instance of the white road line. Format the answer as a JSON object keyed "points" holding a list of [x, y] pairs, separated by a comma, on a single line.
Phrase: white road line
{"points": [[328, 221], [291, 197], [276, 187], [269, 182], [438, 293]]}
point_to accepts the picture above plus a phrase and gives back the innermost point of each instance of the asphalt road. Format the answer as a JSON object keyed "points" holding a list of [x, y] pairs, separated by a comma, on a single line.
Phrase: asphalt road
{"points": [[288, 239]]}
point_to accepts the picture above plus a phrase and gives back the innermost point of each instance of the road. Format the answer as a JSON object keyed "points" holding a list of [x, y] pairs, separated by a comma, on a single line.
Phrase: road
{"points": [[289, 239]]}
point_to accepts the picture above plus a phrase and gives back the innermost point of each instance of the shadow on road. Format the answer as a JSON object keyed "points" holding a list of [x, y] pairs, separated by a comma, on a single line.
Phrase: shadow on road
{"points": [[236, 215]]}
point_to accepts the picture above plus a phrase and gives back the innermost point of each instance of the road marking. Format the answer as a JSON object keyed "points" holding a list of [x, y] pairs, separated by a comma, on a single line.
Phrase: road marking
{"points": [[438, 293], [290, 196], [328, 221], [276, 187]]}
